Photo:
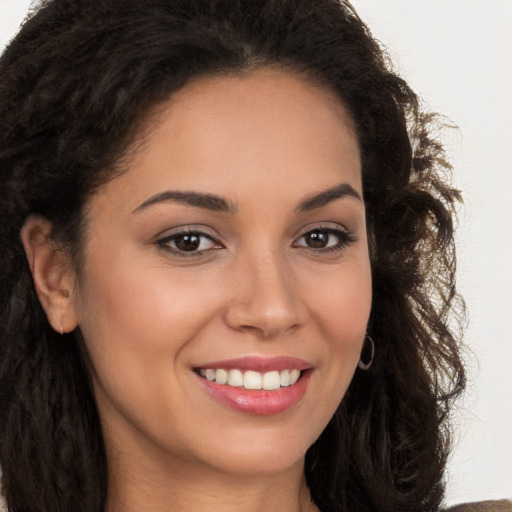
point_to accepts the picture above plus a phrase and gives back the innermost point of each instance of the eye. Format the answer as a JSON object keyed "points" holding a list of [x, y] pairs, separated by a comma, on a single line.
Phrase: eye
{"points": [[188, 243], [324, 239]]}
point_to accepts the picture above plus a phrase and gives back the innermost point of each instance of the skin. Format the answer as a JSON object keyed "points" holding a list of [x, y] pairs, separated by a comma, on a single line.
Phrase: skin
{"points": [[265, 141]]}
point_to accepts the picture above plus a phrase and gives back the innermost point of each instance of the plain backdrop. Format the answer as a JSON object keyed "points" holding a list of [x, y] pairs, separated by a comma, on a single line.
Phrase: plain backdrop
{"points": [[457, 54]]}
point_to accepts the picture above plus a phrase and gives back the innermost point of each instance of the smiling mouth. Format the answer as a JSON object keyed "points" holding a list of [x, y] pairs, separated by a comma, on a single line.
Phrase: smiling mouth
{"points": [[251, 380]]}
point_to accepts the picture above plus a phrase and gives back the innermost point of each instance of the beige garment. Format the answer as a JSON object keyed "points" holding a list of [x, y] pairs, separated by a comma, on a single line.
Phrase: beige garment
{"points": [[480, 506], [483, 506]]}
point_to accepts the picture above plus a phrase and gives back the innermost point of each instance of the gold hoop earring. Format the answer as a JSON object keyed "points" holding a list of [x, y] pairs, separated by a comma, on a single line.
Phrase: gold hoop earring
{"points": [[361, 364]]}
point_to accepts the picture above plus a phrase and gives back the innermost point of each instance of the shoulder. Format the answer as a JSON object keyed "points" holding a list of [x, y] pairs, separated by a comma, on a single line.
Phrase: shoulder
{"points": [[483, 506]]}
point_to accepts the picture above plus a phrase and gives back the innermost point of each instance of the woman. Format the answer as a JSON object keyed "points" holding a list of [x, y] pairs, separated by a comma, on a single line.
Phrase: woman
{"points": [[228, 264]]}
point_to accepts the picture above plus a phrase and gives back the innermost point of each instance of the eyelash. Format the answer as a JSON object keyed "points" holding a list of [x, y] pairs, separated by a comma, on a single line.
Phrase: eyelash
{"points": [[344, 236], [164, 243], [344, 239]]}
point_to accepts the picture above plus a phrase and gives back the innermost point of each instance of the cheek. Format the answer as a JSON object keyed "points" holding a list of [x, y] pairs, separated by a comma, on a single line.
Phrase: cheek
{"points": [[341, 299], [340, 310], [143, 306], [138, 321]]}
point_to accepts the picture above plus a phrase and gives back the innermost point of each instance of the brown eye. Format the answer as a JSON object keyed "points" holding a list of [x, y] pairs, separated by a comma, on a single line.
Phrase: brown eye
{"points": [[324, 239], [188, 243], [317, 239]]}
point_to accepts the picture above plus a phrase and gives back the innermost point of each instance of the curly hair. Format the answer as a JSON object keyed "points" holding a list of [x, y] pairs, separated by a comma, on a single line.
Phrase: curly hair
{"points": [[76, 84]]}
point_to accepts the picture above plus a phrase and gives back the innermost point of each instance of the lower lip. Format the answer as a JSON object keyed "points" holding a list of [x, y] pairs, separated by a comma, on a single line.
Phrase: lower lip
{"points": [[260, 402]]}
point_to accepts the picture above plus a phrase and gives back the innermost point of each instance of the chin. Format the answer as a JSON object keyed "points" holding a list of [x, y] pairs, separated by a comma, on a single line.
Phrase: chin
{"points": [[259, 454], [260, 462]]}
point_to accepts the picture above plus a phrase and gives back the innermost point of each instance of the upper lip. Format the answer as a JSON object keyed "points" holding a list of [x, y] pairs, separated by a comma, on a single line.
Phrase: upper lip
{"points": [[259, 364]]}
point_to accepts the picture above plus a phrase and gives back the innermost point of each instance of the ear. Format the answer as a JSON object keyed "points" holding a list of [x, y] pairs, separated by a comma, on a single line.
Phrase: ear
{"points": [[53, 274]]}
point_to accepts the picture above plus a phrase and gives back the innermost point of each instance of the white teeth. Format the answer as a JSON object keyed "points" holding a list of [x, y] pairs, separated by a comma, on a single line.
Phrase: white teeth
{"points": [[235, 378], [271, 380], [294, 376], [250, 379], [221, 376]]}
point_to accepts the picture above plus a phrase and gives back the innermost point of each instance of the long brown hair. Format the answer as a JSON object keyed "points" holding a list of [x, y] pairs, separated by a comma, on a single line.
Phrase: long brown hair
{"points": [[75, 84]]}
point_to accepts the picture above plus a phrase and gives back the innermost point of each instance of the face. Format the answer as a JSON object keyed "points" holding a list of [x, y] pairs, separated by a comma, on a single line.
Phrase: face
{"points": [[233, 248]]}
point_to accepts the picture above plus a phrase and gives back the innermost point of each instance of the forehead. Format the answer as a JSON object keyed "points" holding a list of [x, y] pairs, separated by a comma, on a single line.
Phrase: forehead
{"points": [[266, 129]]}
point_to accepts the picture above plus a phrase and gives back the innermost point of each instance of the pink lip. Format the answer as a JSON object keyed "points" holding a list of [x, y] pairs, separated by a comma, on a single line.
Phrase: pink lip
{"points": [[259, 364], [260, 402]]}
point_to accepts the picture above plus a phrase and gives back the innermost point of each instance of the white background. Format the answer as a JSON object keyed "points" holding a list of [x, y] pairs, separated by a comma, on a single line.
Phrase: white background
{"points": [[457, 54]]}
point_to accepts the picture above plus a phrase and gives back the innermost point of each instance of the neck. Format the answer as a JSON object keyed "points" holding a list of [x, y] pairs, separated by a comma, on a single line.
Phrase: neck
{"points": [[185, 492], [146, 483]]}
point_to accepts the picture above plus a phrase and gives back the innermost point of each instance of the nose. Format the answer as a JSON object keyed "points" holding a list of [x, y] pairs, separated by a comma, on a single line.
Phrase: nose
{"points": [[264, 299]]}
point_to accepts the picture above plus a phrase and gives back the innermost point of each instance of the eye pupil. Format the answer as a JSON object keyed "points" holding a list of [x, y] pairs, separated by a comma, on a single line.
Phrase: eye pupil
{"points": [[188, 242], [317, 239]]}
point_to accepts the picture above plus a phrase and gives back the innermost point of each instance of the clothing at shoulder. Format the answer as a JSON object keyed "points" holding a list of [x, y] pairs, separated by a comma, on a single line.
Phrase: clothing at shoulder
{"points": [[483, 506], [479, 506]]}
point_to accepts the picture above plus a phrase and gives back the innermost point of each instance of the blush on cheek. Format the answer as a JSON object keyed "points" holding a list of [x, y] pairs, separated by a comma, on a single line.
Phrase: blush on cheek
{"points": [[343, 317], [347, 307]]}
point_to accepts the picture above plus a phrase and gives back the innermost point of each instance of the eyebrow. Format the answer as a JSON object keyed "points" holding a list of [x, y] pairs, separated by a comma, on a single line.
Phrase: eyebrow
{"points": [[198, 199], [325, 197], [219, 204]]}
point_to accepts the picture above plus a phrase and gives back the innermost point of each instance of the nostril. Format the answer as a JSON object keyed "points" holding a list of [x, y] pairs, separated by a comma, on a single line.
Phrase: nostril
{"points": [[265, 321]]}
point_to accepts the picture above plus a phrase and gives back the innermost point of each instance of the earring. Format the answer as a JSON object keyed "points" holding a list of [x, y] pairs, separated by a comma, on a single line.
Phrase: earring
{"points": [[361, 364], [61, 328]]}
